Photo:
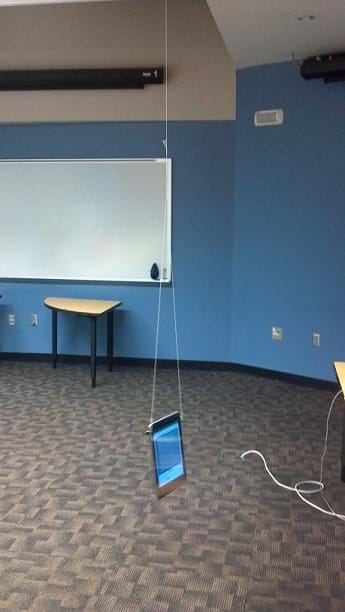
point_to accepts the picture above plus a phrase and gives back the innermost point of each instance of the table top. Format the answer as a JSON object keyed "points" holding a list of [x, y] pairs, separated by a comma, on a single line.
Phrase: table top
{"points": [[80, 306], [340, 371]]}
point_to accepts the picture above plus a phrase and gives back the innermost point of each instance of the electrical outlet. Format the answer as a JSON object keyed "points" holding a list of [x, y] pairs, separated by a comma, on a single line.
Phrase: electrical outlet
{"points": [[277, 333], [11, 319], [34, 319], [316, 340]]}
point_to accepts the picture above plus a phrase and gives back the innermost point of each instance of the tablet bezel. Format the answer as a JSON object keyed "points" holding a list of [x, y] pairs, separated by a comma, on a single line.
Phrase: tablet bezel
{"points": [[174, 417]]}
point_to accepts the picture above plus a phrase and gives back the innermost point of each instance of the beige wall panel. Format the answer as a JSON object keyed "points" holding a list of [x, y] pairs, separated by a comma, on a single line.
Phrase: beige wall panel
{"points": [[124, 33]]}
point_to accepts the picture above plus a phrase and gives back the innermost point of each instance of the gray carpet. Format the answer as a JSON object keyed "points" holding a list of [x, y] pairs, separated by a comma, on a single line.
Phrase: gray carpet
{"points": [[81, 528]]}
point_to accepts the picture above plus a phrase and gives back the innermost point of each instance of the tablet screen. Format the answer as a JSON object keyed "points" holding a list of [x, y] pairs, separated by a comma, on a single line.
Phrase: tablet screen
{"points": [[168, 453]]}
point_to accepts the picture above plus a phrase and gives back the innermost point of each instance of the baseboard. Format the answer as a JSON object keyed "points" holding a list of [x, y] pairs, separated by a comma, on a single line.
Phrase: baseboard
{"points": [[297, 379], [184, 364], [231, 367], [45, 357]]}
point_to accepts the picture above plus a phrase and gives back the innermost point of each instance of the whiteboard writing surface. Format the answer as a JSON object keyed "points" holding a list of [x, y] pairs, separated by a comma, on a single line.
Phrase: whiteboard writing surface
{"points": [[95, 219]]}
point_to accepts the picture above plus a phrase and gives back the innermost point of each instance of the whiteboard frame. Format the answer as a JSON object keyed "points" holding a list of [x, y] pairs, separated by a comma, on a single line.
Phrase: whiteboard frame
{"points": [[167, 279]]}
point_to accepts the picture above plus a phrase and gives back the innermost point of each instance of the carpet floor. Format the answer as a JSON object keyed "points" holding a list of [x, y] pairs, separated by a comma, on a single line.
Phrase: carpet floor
{"points": [[81, 527]]}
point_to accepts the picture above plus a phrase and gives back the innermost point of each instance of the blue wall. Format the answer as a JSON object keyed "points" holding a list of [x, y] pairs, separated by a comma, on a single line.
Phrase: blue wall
{"points": [[289, 223], [258, 233], [203, 165]]}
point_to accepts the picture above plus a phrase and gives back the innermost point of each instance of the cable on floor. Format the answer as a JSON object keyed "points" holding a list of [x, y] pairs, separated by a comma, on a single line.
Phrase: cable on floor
{"points": [[312, 486]]}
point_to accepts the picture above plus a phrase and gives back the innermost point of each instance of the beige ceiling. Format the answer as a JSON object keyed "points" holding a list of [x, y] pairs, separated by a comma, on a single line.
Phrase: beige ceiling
{"points": [[267, 31], [26, 2]]}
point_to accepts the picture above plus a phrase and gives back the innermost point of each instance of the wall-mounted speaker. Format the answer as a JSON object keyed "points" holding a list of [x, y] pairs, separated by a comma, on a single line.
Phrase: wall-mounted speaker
{"points": [[94, 78], [269, 117]]}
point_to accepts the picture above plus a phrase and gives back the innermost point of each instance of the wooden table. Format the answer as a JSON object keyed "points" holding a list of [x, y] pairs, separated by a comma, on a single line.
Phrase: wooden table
{"points": [[340, 372], [85, 308]]}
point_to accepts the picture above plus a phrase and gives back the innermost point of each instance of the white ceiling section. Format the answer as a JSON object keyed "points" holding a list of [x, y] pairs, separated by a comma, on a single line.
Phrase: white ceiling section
{"points": [[267, 31]]}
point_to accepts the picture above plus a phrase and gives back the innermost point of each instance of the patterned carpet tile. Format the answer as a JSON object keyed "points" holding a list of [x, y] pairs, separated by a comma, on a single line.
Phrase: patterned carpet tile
{"points": [[81, 528]]}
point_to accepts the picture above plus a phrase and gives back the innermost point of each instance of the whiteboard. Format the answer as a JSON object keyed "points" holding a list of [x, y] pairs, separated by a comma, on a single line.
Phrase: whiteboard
{"points": [[92, 219]]}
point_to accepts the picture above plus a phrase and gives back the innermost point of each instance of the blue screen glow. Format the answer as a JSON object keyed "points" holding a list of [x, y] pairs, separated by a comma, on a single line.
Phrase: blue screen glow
{"points": [[169, 460]]}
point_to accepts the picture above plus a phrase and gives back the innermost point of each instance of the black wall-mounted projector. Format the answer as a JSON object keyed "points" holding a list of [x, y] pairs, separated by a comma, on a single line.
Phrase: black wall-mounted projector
{"points": [[93, 78], [329, 67]]}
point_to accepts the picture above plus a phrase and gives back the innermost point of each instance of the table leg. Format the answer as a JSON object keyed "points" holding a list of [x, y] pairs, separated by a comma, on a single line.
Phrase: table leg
{"points": [[343, 450], [54, 337], [110, 339], [93, 350]]}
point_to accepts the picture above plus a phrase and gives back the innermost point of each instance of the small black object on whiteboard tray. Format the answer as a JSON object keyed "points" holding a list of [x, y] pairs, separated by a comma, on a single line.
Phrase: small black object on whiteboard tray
{"points": [[154, 272]]}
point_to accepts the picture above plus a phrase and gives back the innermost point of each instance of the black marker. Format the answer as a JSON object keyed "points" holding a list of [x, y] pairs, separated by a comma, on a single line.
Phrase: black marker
{"points": [[154, 272]]}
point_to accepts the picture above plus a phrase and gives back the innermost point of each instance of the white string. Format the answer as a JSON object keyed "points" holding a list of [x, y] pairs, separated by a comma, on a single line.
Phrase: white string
{"points": [[318, 485], [293, 57], [166, 75], [177, 345], [153, 398], [166, 145]]}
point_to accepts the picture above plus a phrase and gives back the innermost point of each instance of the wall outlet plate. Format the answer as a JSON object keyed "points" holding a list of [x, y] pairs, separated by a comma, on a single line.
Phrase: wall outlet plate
{"points": [[274, 116], [277, 333], [316, 340], [34, 319], [11, 319]]}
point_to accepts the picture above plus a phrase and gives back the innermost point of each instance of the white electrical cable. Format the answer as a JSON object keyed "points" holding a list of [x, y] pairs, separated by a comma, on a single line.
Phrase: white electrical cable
{"points": [[166, 146], [317, 485]]}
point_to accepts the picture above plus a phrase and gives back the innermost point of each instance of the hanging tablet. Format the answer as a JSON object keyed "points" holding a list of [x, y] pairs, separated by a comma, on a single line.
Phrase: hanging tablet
{"points": [[167, 452]]}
